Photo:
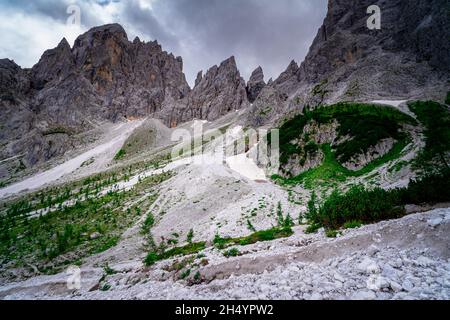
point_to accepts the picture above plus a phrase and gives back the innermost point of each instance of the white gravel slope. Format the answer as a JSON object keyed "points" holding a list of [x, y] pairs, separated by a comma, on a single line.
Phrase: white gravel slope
{"points": [[106, 149]]}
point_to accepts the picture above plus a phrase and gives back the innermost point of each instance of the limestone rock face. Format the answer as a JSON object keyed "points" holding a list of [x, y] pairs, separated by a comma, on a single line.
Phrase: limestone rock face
{"points": [[406, 59], [266, 108], [255, 84], [103, 77], [220, 91]]}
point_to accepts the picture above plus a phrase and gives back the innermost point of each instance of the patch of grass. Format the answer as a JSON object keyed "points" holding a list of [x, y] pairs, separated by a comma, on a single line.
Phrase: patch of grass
{"points": [[265, 111], [233, 252], [354, 224], [398, 166], [330, 233], [192, 248], [313, 228], [332, 171], [260, 236], [108, 271], [105, 287], [185, 274], [365, 124], [120, 155], [88, 224]]}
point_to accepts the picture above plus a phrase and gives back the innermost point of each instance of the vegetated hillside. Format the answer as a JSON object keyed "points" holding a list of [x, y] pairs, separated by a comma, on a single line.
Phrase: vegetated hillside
{"points": [[331, 143], [436, 120]]}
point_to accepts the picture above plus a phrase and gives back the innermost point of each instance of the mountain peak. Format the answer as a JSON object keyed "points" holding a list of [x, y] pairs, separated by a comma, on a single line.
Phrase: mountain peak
{"points": [[255, 84], [231, 61], [63, 43]]}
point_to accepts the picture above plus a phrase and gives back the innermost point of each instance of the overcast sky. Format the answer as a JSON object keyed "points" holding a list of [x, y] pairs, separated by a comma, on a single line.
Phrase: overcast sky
{"points": [[269, 33]]}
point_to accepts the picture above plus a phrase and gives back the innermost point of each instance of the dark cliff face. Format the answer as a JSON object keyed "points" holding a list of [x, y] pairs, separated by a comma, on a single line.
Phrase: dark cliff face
{"points": [[255, 84], [415, 29], [407, 59], [118, 77], [220, 91]]}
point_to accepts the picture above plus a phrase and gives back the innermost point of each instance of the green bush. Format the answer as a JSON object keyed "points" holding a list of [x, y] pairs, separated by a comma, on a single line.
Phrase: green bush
{"points": [[234, 252], [120, 155], [185, 274], [162, 254], [432, 188], [330, 233], [151, 258], [148, 223], [190, 236], [250, 226], [264, 235], [357, 204]]}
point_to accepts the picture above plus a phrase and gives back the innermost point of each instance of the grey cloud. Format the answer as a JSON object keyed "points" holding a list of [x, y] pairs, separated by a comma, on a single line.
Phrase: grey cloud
{"points": [[146, 24], [258, 32]]}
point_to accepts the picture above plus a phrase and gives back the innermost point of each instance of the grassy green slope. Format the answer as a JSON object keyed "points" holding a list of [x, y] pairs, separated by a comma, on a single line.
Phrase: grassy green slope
{"points": [[366, 124]]}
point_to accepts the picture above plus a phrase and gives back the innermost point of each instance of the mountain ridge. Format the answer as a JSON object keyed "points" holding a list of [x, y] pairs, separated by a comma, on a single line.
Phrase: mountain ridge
{"points": [[107, 77]]}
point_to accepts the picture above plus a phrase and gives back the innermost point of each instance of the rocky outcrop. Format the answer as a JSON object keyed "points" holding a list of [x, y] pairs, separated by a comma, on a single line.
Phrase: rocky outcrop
{"points": [[220, 91], [255, 84], [265, 108], [379, 150]]}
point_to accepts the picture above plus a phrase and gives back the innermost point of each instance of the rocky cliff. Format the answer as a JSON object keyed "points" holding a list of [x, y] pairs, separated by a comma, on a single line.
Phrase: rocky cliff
{"points": [[104, 77], [220, 91], [255, 84], [407, 58]]}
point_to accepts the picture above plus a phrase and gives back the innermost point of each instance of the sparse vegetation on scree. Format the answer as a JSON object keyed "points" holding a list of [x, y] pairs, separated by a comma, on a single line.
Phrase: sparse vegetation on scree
{"points": [[91, 223], [361, 126]]}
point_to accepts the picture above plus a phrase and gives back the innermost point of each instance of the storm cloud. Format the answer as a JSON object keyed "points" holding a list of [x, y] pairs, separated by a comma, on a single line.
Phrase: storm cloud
{"points": [[263, 33]]}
